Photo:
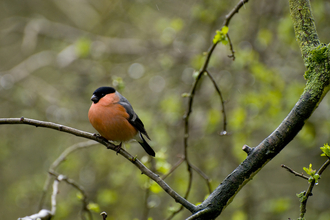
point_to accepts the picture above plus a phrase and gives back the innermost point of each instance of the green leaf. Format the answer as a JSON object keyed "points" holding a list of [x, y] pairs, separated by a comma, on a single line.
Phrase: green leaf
{"points": [[195, 74], [301, 196], [83, 47], [265, 37], [326, 150], [185, 95], [94, 207], [310, 179], [224, 29], [118, 82], [163, 166], [220, 36], [279, 205], [155, 188], [316, 177], [107, 197], [79, 195], [239, 215], [225, 41], [309, 170], [177, 24]]}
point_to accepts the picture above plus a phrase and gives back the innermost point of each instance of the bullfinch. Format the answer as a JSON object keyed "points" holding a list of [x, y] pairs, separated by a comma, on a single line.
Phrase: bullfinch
{"points": [[114, 118]]}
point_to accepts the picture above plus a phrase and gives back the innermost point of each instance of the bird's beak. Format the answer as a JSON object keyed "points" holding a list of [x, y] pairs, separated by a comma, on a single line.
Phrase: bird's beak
{"points": [[95, 99]]}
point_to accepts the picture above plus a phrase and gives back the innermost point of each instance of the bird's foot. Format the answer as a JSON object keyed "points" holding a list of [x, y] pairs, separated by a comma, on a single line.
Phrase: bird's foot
{"points": [[118, 147]]}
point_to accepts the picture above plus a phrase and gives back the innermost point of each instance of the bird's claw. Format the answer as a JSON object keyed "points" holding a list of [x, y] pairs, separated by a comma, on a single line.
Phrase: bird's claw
{"points": [[117, 148]]}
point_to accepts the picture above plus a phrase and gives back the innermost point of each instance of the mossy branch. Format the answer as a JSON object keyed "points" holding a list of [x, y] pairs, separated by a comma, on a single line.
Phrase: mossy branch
{"points": [[316, 55], [316, 58], [304, 26]]}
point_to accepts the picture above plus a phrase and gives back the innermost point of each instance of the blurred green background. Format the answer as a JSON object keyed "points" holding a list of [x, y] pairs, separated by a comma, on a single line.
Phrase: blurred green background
{"points": [[54, 54]]}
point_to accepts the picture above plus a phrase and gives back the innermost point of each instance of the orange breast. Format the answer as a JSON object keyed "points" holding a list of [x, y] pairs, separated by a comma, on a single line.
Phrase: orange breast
{"points": [[110, 120]]}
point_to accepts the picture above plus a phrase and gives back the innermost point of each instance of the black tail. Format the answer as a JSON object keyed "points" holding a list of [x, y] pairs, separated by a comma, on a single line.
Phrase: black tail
{"points": [[146, 147]]}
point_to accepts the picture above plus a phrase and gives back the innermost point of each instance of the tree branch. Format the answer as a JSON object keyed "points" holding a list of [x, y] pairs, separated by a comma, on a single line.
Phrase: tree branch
{"points": [[317, 86], [234, 11], [58, 161], [224, 131], [304, 26], [259, 157], [122, 152], [308, 193], [294, 172], [60, 177], [45, 214]]}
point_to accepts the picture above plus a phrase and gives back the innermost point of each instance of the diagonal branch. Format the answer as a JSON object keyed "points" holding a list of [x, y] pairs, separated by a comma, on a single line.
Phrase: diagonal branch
{"points": [[318, 80], [122, 152], [260, 156], [234, 11], [294, 172]]}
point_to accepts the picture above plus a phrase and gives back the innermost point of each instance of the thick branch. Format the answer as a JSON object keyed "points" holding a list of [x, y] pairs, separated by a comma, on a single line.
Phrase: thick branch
{"points": [[318, 63], [259, 157], [304, 26]]}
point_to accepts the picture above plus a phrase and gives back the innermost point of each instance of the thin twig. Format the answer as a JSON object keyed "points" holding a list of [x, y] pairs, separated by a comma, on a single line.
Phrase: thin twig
{"points": [[174, 213], [70, 150], [148, 191], [294, 172], [227, 21], [54, 194], [44, 213], [323, 167], [58, 161], [233, 12], [204, 176], [186, 122], [192, 94], [71, 182], [178, 163], [308, 193], [231, 48], [104, 215], [222, 102], [146, 203], [190, 180]]}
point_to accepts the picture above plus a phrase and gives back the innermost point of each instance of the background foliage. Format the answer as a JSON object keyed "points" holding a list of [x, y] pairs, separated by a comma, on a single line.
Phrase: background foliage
{"points": [[54, 54]]}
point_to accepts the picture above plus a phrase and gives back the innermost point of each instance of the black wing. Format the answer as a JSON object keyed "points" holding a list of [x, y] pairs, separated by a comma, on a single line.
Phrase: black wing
{"points": [[133, 117]]}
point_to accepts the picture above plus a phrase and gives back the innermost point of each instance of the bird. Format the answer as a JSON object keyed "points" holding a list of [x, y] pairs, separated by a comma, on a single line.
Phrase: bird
{"points": [[114, 118]]}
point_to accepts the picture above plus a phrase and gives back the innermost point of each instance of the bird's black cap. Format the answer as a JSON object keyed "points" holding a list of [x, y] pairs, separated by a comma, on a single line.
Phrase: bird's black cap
{"points": [[101, 92]]}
